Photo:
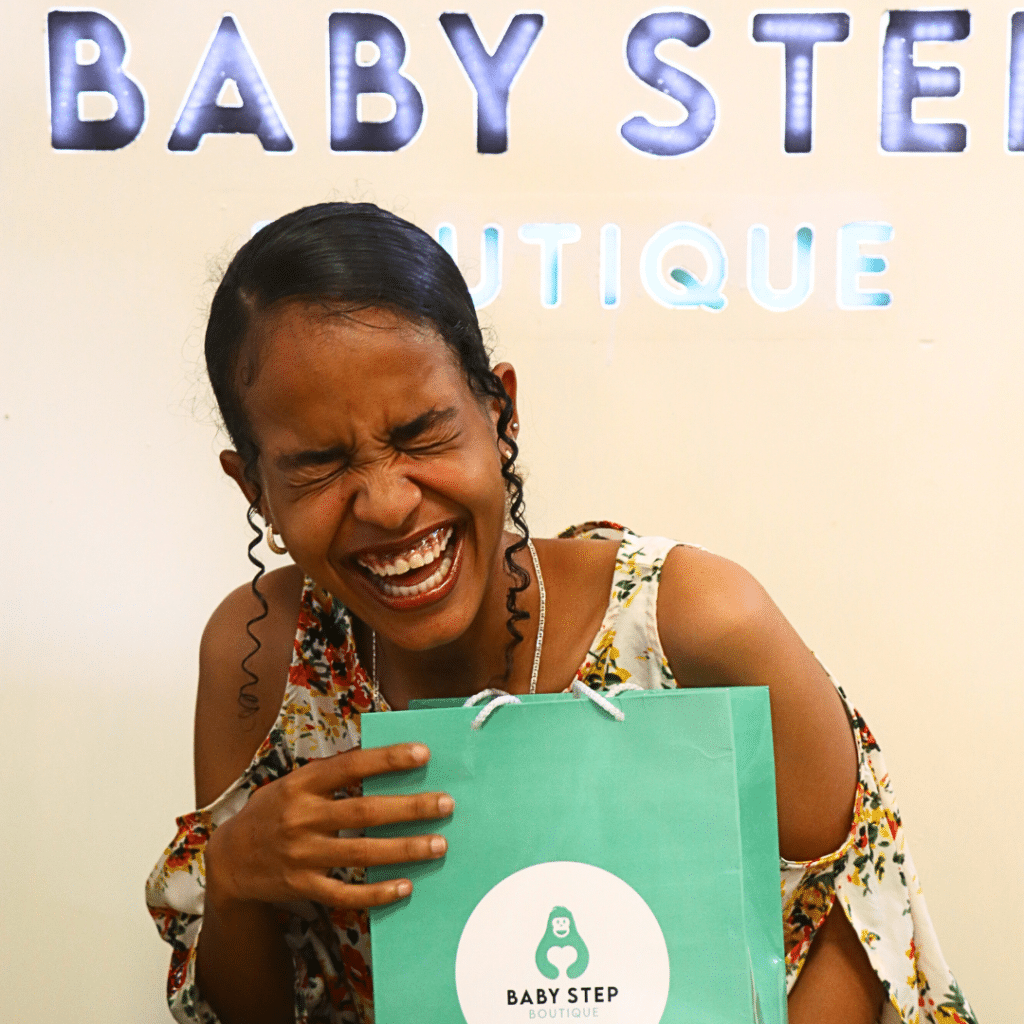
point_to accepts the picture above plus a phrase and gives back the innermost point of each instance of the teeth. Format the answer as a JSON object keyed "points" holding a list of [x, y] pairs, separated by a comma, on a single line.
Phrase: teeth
{"points": [[435, 579], [426, 551]]}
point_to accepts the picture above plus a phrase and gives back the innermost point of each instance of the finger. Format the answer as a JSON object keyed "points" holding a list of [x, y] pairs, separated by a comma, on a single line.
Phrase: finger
{"points": [[361, 851], [327, 774], [344, 896], [364, 811]]}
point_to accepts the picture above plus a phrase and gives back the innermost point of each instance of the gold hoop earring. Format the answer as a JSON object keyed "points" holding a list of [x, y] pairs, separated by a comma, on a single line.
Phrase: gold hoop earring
{"points": [[278, 549]]}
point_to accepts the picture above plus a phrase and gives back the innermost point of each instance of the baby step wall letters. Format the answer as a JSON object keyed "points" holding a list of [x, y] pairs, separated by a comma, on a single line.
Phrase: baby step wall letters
{"points": [[96, 103]]}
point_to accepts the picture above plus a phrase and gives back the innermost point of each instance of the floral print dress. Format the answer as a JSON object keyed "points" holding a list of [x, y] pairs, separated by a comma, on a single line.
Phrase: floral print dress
{"points": [[871, 875]]}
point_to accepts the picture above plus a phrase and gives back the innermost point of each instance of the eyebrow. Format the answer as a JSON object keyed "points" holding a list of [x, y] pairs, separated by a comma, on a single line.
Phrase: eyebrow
{"points": [[398, 435]]}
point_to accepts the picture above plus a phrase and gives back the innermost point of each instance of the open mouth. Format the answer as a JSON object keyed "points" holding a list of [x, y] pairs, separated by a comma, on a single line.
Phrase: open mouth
{"points": [[423, 567]]}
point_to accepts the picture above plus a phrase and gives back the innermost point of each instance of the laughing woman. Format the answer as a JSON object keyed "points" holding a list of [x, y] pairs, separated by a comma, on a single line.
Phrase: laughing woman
{"points": [[378, 444]]}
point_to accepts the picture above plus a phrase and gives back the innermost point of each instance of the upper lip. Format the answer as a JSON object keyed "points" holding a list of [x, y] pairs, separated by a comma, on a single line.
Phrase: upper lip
{"points": [[385, 551]]}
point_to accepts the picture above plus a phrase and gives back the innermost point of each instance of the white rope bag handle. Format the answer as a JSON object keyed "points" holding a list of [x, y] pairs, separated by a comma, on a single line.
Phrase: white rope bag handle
{"points": [[582, 690], [498, 698]]}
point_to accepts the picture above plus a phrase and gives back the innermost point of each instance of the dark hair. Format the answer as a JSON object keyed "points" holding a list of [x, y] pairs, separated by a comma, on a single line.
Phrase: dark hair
{"points": [[352, 256]]}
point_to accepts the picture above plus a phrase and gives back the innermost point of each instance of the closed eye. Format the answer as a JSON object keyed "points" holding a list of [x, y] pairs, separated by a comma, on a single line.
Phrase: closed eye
{"points": [[306, 478], [426, 447], [427, 434], [431, 433], [336, 457], [426, 431]]}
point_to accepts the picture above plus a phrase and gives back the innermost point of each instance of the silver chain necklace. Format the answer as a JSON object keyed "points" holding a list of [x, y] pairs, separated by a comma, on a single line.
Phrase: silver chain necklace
{"points": [[537, 647]]}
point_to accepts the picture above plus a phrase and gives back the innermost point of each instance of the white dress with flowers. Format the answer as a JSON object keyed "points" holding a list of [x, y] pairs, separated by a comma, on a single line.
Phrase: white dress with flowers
{"points": [[871, 874]]}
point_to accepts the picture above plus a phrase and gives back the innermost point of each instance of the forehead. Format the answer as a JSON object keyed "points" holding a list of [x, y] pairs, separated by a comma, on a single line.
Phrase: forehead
{"points": [[297, 332], [317, 365]]}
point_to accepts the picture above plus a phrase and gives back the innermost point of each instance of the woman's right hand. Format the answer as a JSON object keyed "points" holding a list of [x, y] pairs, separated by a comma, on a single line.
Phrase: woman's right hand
{"points": [[282, 843]]}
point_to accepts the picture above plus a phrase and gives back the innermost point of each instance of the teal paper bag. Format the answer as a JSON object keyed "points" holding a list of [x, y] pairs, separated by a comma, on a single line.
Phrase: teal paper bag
{"points": [[621, 871]]}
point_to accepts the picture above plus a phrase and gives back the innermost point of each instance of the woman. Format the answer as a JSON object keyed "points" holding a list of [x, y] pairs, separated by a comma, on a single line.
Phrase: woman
{"points": [[379, 446]]}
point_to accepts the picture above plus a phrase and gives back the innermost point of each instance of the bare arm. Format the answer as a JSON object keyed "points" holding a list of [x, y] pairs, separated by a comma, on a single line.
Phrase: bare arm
{"points": [[243, 966], [719, 628], [225, 739], [837, 984]]}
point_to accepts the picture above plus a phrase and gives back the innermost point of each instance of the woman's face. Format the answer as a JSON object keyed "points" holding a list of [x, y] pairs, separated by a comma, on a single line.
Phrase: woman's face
{"points": [[380, 468]]}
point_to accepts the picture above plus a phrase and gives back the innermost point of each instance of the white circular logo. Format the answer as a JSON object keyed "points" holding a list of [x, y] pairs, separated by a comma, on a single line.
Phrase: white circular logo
{"points": [[562, 941]]}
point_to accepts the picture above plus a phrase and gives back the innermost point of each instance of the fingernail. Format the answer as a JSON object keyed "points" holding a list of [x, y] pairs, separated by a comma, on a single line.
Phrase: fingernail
{"points": [[419, 752], [437, 846], [404, 888], [445, 805]]}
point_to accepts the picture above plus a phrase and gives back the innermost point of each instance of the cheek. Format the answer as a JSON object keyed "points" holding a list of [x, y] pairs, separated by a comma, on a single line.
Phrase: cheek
{"points": [[310, 524], [474, 479]]}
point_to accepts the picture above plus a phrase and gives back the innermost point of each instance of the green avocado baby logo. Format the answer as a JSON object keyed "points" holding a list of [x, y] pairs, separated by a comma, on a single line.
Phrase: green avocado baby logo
{"points": [[562, 947], [561, 942]]}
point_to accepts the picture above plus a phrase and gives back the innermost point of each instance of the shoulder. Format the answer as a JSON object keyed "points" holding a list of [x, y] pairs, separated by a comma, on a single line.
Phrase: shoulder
{"points": [[225, 737], [704, 601]]}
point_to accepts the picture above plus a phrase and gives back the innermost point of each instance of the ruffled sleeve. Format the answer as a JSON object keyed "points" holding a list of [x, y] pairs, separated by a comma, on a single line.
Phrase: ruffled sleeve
{"points": [[175, 896], [332, 978], [874, 879]]}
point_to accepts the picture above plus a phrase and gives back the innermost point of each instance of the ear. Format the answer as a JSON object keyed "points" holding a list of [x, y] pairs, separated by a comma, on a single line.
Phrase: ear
{"points": [[232, 464], [507, 375]]}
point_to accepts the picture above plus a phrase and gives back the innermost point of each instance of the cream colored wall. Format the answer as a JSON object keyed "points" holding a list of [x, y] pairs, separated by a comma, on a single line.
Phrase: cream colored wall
{"points": [[865, 465]]}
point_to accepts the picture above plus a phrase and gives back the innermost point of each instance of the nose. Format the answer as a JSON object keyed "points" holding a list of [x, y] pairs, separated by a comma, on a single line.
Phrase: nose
{"points": [[386, 497]]}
